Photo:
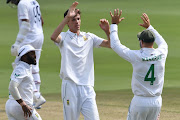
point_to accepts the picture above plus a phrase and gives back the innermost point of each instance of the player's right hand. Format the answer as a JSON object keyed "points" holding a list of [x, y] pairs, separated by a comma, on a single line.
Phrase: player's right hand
{"points": [[116, 18], [14, 49], [27, 111], [72, 10]]}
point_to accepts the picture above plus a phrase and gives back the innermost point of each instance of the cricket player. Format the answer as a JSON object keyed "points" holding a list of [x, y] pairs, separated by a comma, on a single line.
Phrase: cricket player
{"points": [[148, 68], [19, 106], [77, 65], [30, 32]]}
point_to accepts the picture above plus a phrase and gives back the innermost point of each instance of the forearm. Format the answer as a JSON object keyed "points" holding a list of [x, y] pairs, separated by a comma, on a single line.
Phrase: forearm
{"points": [[59, 29], [120, 49], [114, 39], [159, 40], [108, 38], [23, 30], [14, 90]]}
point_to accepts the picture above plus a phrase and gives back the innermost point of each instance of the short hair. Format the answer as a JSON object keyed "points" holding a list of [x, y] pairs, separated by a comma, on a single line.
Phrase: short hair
{"points": [[146, 36], [79, 12]]}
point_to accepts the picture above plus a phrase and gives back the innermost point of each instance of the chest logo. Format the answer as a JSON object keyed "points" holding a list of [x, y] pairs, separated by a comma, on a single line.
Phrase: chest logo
{"points": [[85, 38]]}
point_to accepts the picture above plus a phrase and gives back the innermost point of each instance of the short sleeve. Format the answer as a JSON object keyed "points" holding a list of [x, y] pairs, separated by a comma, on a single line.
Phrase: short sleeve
{"points": [[22, 11], [62, 34], [96, 40]]}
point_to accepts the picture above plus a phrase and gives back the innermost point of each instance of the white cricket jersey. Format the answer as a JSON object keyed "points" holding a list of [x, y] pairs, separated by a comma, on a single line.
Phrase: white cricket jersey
{"points": [[22, 74], [148, 64], [30, 9], [77, 63]]}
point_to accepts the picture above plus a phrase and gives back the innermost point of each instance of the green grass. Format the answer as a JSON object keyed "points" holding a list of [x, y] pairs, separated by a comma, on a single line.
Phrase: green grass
{"points": [[111, 71]]}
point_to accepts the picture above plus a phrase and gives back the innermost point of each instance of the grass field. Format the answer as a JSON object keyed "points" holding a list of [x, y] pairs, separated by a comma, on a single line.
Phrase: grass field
{"points": [[112, 73]]}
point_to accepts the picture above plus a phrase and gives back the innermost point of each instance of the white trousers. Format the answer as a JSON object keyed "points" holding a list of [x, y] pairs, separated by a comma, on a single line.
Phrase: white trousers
{"points": [[144, 108], [14, 111], [78, 98]]}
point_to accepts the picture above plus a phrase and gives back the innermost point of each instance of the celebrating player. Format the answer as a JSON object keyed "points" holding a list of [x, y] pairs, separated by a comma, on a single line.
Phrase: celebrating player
{"points": [[19, 105], [77, 65], [148, 68], [30, 32]]}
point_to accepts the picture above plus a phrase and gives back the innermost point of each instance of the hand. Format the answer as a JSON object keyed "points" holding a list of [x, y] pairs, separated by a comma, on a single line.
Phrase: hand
{"points": [[146, 21], [116, 17], [72, 10], [26, 109], [104, 25], [14, 49]]}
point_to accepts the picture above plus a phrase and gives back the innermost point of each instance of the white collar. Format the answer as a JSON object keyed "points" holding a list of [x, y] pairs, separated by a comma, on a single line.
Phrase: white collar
{"points": [[74, 34]]}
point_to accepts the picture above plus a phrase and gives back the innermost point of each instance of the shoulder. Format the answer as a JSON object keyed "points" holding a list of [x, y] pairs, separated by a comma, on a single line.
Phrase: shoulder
{"points": [[91, 35], [19, 72], [22, 3]]}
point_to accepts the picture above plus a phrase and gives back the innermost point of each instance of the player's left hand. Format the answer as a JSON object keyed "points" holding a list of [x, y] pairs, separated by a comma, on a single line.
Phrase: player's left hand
{"points": [[146, 21], [116, 17], [104, 24]]}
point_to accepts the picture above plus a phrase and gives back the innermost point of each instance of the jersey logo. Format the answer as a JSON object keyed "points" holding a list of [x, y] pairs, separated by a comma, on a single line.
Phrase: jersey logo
{"points": [[16, 75], [37, 115], [85, 38]]}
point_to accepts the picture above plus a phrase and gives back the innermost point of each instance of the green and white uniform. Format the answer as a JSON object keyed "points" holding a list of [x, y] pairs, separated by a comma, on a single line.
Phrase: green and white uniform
{"points": [[148, 75]]}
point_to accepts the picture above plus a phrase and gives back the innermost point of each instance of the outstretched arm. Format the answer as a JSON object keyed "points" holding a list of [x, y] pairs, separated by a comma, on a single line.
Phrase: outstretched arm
{"points": [[71, 13], [158, 38], [115, 20], [120, 49]]}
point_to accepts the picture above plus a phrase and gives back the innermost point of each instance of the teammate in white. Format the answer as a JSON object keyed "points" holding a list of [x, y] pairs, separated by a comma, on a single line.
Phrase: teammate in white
{"points": [[30, 32], [77, 65], [19, 105], [148, 68]]}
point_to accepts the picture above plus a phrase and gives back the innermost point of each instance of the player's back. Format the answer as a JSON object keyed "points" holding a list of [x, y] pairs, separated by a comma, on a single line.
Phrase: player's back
{"points": [[30, 9], [148, 72]]}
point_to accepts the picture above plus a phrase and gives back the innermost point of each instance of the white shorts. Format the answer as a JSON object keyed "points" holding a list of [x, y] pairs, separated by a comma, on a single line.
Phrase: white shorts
{"points": [[144, 108], [78, 98], [14, 111]]}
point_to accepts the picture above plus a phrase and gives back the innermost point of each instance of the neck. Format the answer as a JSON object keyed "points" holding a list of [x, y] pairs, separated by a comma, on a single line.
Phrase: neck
{"points": [[146, 45], [77, 32]]}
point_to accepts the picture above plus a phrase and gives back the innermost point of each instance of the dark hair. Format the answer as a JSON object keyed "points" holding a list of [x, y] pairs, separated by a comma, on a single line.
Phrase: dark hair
{"points": [[146, 36], [16, 2], [79, 12]]}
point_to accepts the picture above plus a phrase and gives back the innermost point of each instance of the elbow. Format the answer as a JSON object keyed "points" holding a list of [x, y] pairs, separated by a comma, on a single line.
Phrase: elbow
{"points": [[53, 38]]}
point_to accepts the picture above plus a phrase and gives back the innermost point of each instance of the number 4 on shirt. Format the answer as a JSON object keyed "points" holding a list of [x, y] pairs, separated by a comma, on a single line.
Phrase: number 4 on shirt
{"points": [[152, 78]]}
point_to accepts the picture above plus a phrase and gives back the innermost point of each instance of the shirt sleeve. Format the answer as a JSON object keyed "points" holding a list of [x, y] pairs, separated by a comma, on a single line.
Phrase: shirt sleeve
{"points": [[18, 75], [159, 40], [116, 45], [96, 40], [22, 11], [62, 34]]}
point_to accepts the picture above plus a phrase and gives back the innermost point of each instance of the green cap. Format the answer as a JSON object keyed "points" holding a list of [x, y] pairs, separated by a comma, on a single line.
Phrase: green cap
{"points": [[146, 36]]}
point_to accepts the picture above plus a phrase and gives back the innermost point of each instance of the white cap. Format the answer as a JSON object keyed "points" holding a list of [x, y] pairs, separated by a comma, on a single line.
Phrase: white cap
{"points": [[25, 49]]}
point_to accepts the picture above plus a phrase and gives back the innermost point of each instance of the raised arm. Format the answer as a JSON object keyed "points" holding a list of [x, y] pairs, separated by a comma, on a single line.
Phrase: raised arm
{"points": [[71, 13], [158, 38], [120, 49], [104, 24]]}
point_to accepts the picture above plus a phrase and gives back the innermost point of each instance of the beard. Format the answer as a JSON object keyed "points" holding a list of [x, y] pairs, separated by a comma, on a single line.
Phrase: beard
{"points": [[31, 60]]}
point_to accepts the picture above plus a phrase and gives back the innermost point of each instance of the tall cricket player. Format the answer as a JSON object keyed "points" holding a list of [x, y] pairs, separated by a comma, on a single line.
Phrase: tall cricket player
{"points": [[77, 65], [30, 32], [148, 68], [19, 106]]}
